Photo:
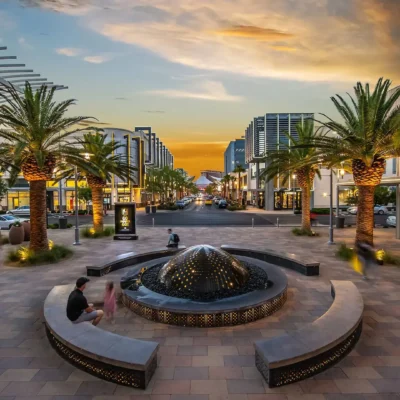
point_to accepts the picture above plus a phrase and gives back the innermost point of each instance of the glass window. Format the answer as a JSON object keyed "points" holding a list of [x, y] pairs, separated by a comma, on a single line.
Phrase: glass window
{"points": [[394, 166]]}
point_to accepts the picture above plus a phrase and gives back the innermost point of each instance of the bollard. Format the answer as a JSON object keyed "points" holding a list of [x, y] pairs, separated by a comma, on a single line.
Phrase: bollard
{"points": [[252, 222], [153, 222], [277, 222]]}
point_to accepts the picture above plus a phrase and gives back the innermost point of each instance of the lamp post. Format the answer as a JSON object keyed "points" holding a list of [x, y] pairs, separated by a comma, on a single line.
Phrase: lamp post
{"points": [[77, 242], [330, 208], [294, 192]]}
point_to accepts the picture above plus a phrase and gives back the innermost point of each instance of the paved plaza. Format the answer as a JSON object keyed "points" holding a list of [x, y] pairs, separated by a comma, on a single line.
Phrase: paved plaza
{"points": [[195, 363]]}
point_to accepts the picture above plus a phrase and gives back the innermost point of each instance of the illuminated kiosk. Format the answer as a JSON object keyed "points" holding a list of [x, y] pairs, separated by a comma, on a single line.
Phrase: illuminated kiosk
{"points": [[125, 221], [203, 286]]}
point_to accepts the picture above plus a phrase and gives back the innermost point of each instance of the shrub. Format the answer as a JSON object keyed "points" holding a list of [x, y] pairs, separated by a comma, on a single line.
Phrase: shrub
{"points": [[167, 206], [389, 258], [345, 253], [25, 256], [69, 225], [235, 207], [3, 211], [90, 233], [53, 226], [4, 240], [17, 223], [320, 211], [303, 232]]}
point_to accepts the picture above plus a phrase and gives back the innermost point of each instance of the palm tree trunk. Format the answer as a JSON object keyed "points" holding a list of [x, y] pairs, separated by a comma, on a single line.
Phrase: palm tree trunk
{"points": [[365, 215], [305, 208], [97, 201], [38, 217]]}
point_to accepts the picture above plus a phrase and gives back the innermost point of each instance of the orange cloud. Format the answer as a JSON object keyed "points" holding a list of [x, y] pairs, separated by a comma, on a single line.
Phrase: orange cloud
{"points": [[283, 48], [194, 156], [254, 32]]}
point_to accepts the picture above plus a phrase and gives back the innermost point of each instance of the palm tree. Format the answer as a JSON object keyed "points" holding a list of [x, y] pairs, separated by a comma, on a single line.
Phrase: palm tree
{"points": [[233, 180], [368, 135], [225, 181], [102, 162], [34, 136], [299, 158], [239, 170]]}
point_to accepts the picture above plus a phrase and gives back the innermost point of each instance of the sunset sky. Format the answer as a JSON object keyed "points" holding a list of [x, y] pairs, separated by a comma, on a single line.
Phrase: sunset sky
{"points": [[198, 71]]}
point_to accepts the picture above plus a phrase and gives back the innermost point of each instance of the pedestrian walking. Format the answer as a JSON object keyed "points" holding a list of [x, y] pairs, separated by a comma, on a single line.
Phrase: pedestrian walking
{"points": [[366, 255]]}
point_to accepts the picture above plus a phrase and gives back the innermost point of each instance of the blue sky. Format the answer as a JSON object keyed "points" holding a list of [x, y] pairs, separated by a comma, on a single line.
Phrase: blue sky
{"points": [[198, 72]]}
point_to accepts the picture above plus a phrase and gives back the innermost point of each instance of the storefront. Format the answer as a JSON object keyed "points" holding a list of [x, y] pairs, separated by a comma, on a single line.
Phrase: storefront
{"points": [[287, 199]]}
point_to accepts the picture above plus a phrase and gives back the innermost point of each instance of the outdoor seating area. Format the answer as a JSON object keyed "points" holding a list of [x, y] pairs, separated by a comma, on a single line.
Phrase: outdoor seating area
{"points": [[305, 266], [114, 358], [293, 357]]}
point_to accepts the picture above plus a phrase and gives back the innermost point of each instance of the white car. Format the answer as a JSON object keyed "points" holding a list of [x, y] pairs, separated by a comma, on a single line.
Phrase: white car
{"points": [[23, 210], [391, 221], [6, 221], [381, 210]]}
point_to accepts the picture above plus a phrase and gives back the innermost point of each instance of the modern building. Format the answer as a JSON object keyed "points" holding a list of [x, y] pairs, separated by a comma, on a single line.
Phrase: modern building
{"points": [[212, 175], [234, 155], [136, 148], [263, 134]]}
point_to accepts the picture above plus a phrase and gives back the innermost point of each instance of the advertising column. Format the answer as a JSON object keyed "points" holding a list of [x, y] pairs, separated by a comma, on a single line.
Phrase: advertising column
{"points": [[125, 221]]}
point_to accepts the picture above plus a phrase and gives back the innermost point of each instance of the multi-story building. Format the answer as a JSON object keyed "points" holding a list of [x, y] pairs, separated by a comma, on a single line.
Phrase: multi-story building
{"points": [[140, 155], [212, 175], [234, 155], [266, 133]]}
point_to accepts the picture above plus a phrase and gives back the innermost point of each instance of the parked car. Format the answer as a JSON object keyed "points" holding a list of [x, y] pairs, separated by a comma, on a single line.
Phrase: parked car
{"points": [[180, 204], [391, 221], [217, 200], [378, 209], [23, 210], [222, 204], [6, 221]]}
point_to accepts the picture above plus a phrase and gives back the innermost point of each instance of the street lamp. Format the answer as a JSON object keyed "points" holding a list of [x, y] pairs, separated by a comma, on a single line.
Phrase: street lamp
{"points": [[294, 192], [330, 208], [77, 242]]}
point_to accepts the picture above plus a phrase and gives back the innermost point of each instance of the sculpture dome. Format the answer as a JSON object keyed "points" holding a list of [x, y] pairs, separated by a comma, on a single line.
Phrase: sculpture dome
{"points": [[203, 269]]}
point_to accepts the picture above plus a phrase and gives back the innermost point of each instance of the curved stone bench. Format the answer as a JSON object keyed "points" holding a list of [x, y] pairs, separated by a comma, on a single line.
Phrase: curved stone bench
{"points": [[299, 355], [127, 259], [111, 357], [286, 260]]}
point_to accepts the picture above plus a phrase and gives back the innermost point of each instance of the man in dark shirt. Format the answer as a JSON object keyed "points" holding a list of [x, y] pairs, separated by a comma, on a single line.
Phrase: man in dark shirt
{"points": [[78, 309]]}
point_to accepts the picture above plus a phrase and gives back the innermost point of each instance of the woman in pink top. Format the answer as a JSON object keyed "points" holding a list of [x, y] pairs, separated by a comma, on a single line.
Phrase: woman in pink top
{"points": [[110, 303]]}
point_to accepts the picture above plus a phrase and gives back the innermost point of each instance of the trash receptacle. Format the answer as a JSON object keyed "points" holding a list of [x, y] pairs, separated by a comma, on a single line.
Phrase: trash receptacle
{"points": [[153, 209], [63, 222], [340, 222], [147, 209]]}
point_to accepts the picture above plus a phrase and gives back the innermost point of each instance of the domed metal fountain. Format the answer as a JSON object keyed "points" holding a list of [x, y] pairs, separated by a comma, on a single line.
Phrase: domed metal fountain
{"points": [[203, 269]]}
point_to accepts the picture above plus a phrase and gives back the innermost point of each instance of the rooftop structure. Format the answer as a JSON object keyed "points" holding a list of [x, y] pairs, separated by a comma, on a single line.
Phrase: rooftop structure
{"points": [[16, 75]]}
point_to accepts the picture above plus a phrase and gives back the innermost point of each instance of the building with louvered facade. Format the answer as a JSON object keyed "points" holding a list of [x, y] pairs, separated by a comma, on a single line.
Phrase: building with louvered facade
{"points": [[266, 133]]}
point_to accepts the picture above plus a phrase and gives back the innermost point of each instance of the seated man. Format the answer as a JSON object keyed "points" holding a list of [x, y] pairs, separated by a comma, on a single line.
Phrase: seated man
{"points": [[78, 309], [173, 239]]}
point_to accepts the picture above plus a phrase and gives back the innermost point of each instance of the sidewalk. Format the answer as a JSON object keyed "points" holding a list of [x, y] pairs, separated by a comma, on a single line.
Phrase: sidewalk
{"points": [[256, 210], [218, 363]]}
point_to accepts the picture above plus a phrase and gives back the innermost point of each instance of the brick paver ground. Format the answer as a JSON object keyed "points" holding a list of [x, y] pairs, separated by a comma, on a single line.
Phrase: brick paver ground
{"points": [[202, 364]]}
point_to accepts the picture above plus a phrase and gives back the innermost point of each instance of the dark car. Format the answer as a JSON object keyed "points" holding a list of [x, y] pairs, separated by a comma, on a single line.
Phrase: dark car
{"points": [[222, 204]]}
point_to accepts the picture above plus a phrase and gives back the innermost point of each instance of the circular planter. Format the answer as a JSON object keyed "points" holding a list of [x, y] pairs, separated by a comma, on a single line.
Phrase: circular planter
{"points": [[27, 231], [16, 235]]}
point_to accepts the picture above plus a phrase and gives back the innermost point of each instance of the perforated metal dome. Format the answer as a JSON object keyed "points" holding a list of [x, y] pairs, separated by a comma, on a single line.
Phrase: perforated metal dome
{"points": [[203, 269]]}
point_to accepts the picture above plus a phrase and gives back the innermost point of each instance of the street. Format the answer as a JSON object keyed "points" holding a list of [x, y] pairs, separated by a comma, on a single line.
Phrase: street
{"points": [[198, 214]]}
